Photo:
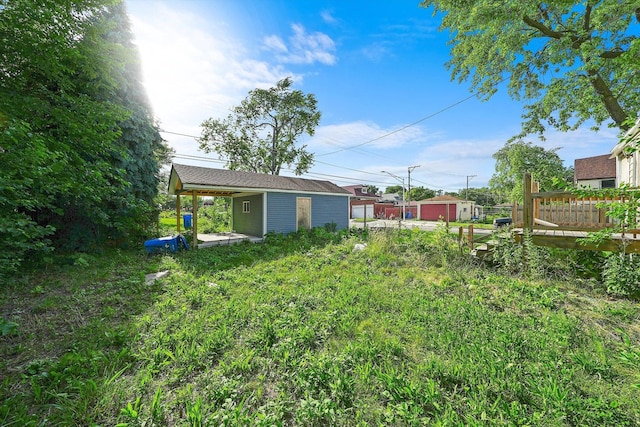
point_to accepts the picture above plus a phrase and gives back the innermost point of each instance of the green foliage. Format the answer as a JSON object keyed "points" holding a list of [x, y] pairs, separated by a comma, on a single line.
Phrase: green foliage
{"points": [[305, 330], [572, 62], [8, 327], [516, 158], [260, 134], [621, 275], [421, 193], [394, 189], [482, 196], [526, 259], [80, 152], [620, 270]]}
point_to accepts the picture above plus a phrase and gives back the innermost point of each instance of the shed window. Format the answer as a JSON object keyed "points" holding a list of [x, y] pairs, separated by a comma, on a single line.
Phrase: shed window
{"points": [[608, 183], [246, 206]]}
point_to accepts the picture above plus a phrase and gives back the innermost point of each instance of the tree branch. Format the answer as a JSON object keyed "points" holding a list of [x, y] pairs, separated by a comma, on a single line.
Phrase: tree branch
{"points": [[608, 98], [542, 28]]}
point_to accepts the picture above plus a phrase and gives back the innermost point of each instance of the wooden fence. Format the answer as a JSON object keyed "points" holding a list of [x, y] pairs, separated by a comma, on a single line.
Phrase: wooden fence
{"points": [[565, 210]]}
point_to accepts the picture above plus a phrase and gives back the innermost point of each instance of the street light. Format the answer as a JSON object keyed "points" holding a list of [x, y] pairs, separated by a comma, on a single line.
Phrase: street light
{"points": [[402, 181]]}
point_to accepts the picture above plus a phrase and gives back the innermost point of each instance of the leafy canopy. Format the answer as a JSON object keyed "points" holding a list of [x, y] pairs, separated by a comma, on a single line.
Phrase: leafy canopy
{"points": [[78, 147], [260, 134], [571, 61], [516, 158]]}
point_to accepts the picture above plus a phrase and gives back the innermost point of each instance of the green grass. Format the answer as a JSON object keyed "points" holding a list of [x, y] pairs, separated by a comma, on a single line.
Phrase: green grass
{"points": [[306, 331]]}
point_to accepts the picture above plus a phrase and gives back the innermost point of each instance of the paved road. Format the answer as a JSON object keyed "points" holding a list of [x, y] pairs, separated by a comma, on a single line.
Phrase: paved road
{"points": [[422, 225]]}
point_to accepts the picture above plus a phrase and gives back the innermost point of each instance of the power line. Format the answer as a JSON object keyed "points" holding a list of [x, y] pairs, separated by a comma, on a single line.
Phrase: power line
{"points": [[403, 127], [180, 134]]}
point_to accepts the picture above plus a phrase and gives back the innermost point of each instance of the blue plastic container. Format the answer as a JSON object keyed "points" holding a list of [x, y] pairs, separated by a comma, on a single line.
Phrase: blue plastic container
{"points": [[166, 244], [187, 220]]}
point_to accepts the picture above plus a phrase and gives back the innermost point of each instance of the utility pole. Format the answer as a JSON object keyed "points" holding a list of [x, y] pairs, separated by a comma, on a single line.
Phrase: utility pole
{"points": [[466, 194], [402, 181], [409, 169]]}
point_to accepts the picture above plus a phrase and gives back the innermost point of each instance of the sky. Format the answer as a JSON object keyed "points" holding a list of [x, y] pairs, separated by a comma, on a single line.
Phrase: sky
{"points": [[376, 67]]}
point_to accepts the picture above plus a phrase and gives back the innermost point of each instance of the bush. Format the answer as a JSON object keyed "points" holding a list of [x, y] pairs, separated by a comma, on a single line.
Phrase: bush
{"points": [[621, 275]]}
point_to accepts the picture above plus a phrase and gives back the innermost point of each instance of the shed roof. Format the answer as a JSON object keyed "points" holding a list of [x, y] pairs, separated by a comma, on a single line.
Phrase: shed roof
{"points": [[632, 136], [445, 198], [186, 178], [360, 190], [596, 167]]}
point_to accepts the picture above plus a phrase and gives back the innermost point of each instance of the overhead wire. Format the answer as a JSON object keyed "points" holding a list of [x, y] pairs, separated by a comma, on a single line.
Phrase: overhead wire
{"points": [[403, 127]]}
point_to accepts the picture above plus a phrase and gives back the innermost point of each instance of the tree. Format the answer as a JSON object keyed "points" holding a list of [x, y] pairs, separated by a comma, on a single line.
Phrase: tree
{"points": [[421, 193], [394, 189], [260, 134], [573, 61], [516, 158], [65, 83], [372, 189], [482, 196]]}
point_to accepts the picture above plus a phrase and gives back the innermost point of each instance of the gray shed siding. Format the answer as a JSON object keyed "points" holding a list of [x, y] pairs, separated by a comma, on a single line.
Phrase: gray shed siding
{"points": [[248, 223], [281, 211]]}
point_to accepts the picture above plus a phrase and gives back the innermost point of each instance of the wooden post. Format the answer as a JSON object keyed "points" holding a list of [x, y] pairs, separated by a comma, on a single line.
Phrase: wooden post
{"points": [[447, 219], [527, 207], [194, 196], [470, 237], [535, 188], [178, 212]]}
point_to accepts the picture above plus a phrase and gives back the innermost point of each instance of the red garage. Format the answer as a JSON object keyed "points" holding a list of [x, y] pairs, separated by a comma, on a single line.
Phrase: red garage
{"points": [[439, 207]]}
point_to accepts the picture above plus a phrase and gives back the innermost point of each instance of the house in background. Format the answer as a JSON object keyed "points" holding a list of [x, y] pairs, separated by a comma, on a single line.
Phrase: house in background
{"points": [[361, 201], [447, 207], [264, 203], [595, 172], [625, 154]]}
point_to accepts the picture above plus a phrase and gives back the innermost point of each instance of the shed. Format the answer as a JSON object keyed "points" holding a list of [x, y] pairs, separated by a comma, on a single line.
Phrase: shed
{"points": [[263, 203], [448, 207]]}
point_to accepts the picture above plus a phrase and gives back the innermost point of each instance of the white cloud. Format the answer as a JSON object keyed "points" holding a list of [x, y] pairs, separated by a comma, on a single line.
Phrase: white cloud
{"points": [[275, 44], [365, 135], [194, 69], [327, 16], [304, 48]]}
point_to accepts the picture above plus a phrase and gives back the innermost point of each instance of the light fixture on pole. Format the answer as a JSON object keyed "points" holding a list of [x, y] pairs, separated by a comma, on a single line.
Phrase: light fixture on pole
{"points": [[409, 169], [402, 181]]}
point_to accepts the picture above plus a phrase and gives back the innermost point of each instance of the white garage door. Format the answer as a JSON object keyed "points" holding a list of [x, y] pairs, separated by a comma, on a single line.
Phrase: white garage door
{"points": [[357, 211]]}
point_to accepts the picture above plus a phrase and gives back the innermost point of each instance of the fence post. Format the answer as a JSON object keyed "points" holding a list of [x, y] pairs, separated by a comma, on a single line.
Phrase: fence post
{"points": [[527, 207]]}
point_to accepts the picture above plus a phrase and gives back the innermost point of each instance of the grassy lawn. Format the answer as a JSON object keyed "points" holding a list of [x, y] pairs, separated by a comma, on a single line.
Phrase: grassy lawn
{"points": [[305, 330]]}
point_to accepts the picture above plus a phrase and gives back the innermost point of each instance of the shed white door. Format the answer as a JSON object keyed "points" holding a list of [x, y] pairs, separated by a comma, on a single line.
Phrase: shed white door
{"points": [[358, 211], [303, 213]]}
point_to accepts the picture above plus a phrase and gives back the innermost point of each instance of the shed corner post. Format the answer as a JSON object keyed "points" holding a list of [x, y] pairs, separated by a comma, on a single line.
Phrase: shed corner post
{"points": [[194, 197], [178, 212]]}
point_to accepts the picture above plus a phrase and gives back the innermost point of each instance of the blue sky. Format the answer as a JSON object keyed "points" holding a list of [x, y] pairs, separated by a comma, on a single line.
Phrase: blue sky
{"points": [[376, 67]]}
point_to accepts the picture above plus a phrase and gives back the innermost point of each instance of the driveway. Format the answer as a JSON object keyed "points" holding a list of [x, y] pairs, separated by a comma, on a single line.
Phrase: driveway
{"points": [[411, 223]]}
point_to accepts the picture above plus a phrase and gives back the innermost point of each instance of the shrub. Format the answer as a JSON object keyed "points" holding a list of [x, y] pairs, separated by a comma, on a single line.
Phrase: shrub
{"points": [[621, 275]]}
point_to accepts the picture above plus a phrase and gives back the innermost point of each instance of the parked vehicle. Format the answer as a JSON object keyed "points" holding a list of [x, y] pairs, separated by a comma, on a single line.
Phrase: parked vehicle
{"points": [[502, 222]]}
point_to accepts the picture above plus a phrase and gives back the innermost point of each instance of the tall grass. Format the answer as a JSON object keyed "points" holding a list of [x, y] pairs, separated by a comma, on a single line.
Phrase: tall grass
{"points": [[305, 330]]}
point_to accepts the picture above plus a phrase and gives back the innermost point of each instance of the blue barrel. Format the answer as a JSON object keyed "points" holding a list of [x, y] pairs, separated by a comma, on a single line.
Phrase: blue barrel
{"points": [[187, 220], [409, 215]]}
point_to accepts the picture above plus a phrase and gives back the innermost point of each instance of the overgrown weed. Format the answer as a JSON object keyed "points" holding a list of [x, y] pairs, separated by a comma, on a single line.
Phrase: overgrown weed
{"points": [[305, 330]]}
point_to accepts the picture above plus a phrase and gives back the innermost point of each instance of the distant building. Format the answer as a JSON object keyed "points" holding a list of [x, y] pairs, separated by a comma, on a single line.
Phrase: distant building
{"points": [[595, 172], [446, 206], [361, 202]]}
